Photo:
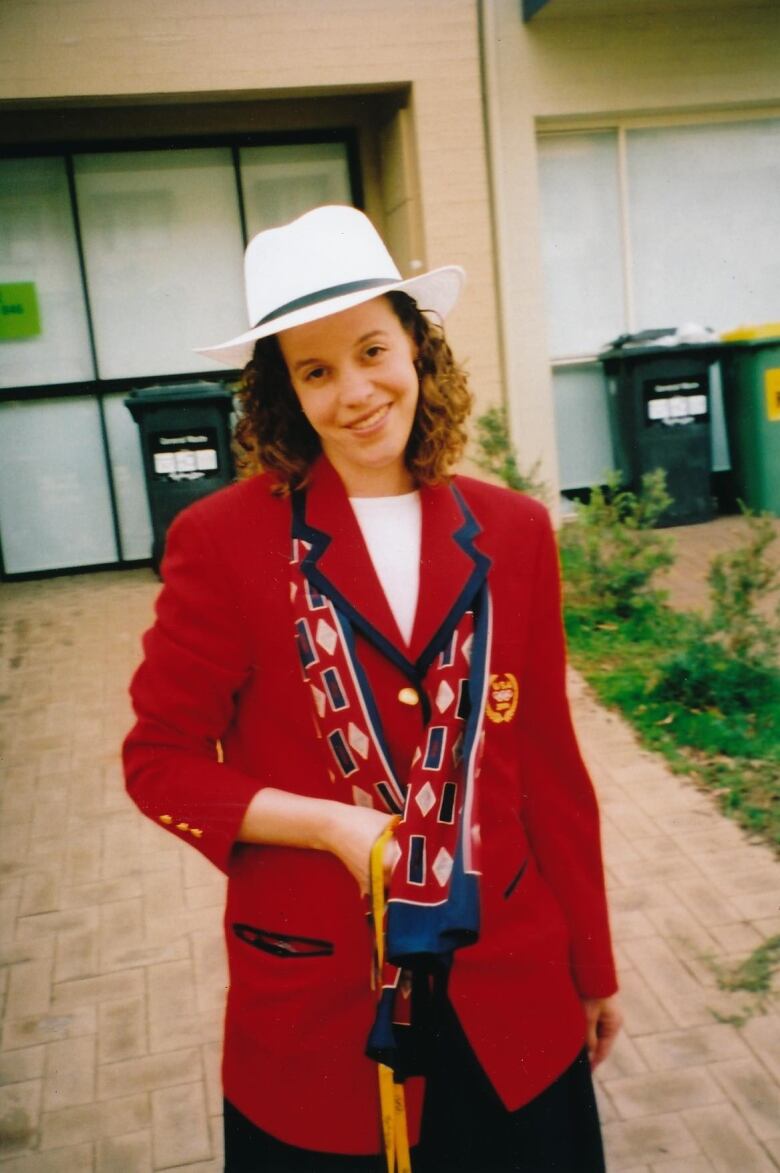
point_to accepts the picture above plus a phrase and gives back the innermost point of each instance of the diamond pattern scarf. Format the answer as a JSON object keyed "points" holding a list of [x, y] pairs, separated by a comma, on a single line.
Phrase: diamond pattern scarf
{"points": [[433, 897]]}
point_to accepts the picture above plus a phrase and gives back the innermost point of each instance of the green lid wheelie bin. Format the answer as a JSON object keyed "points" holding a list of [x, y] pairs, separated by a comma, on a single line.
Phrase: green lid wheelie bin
{"points": [[659, 412], [751, 400], [185, 441]]}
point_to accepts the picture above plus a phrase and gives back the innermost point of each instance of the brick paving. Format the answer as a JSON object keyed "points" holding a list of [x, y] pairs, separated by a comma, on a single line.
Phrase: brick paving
{"points": [[113, 978], [694, 546]]}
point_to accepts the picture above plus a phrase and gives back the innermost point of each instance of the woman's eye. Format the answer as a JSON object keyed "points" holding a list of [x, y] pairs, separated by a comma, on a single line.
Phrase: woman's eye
{"points": [[374, 351], [314, 375]]}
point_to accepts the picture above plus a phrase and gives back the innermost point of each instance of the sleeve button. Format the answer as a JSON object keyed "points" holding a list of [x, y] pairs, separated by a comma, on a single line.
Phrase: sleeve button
{"points": [[166, 819]]}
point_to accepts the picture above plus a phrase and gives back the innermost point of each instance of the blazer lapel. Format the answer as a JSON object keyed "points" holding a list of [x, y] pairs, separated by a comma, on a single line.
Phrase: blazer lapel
{"points": [[452, 569], [339, 565]]}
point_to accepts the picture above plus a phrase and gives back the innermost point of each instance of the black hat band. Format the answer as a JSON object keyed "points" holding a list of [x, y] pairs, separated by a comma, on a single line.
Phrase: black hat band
{"points": [[300, 303]]}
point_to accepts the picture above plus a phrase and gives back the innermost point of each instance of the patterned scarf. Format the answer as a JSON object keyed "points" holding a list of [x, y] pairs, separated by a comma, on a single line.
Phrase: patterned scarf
{"points": [[433, 899]]}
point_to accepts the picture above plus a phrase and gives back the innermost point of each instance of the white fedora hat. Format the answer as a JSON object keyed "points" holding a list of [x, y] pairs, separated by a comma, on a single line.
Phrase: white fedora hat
{"points": [[325, 261]]}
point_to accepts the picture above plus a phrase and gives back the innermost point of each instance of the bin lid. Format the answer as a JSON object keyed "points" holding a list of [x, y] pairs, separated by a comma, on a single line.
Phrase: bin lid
{"points": [[178, 393], [767, 332], [666, 340], [642, 338]]}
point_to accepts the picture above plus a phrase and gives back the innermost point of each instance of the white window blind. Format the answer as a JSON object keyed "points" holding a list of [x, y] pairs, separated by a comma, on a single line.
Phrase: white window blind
{"points": [[38, 246], [704, 207], [163, 252], [581, 247], [127, 469], [55, 507], [282, 182], [700, 213]]}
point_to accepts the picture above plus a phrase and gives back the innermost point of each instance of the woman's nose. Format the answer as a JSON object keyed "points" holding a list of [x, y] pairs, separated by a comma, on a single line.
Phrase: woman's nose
{"points": [[354, 386]]}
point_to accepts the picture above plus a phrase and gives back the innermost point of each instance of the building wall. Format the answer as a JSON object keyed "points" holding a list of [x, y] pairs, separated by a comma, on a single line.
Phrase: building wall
{"points": [[434, 196], [568, 71], [723, 56], [425, 171]]}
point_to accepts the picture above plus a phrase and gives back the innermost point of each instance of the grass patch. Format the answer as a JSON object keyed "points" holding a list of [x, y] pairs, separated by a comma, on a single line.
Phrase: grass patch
{"points": [[730, 747], [755, 973]]}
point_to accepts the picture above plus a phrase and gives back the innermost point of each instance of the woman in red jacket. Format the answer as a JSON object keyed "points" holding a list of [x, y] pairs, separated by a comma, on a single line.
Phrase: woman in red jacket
{"points": [[355, 650]]}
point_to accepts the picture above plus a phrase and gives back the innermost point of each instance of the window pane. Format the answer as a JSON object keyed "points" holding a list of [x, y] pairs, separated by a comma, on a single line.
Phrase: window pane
{"points": [[581, 241], [38, 245], [127, 469], [705, 223], [281, 183], [582, 426], [55, 508], [163, 249]]}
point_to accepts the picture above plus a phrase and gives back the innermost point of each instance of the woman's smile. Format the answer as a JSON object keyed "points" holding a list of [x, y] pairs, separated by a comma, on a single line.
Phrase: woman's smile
{"points": [[371, 423]]}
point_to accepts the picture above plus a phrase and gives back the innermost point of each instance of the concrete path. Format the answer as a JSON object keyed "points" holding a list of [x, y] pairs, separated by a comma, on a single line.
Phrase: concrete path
{"points": [[113, 977]]}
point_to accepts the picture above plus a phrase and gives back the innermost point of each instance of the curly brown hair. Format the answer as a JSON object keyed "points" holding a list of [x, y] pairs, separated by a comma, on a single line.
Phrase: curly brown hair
{"points": [[273, 434]]}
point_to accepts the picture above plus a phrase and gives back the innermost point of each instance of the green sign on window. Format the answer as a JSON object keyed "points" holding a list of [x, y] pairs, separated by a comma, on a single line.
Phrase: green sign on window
{"points": [[19, 314]]}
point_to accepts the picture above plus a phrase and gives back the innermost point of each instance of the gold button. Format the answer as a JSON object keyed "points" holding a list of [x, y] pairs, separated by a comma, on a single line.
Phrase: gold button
{"points": [[196, 831], [166, 819], [182, 826], [409, 696]]}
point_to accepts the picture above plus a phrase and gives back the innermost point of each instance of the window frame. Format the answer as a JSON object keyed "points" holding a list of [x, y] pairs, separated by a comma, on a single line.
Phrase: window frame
{"points": [[621, 126], [348, 135], [99, 388]]}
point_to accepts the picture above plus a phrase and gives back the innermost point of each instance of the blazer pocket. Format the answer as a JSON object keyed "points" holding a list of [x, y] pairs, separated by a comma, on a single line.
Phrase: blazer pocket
{"points": [[515, 879], [283, 944]]}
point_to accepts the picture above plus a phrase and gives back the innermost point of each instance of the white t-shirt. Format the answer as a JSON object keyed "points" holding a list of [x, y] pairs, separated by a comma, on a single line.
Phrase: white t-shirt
{"points": [[392, 528]]}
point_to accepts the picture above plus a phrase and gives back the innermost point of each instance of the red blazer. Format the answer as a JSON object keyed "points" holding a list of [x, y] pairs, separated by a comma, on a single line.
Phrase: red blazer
{"points": [[221, 667]]}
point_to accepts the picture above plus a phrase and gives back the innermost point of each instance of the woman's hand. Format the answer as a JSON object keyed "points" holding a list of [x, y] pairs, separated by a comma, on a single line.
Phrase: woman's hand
{"points": [[350, 835], [295, 820], [604, 1020]]}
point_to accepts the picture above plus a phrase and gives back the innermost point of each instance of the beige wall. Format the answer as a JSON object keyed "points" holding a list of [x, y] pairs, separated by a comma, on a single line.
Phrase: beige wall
{"points": [[432, 194], [406, 74], [567, 71]]}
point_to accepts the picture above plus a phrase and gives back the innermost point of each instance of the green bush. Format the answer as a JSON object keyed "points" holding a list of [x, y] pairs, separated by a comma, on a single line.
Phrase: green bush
{"points": [[741, 582], [703, 675], [729, 660], [496, 455], [611, 551]]}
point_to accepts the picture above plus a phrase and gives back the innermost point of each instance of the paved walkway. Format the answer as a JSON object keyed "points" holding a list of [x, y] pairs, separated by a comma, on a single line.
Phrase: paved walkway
{"points": [[113, 978], [694, 546]]}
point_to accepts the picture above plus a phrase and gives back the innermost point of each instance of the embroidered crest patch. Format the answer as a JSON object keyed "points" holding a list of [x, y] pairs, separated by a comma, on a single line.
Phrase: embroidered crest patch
{"points": [[503, 693]]}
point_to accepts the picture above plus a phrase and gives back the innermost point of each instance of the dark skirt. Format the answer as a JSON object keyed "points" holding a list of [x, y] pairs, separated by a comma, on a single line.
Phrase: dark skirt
{"points": [[465, 1127]]}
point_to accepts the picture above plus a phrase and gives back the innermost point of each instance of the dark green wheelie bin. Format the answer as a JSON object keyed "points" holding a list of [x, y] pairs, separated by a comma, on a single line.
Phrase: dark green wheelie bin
{"points": [[185, 440], [751, 401], [660, 417]]}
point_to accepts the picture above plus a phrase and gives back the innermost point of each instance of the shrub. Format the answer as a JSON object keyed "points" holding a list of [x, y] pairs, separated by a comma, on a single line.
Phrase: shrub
{"points": [[611, 551], [741, 581], [703, 675], [496, 455], [729, 661]]}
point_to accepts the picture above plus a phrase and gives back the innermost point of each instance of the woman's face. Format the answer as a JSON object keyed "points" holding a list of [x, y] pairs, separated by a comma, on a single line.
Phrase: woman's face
{"points": [[355, 379]]}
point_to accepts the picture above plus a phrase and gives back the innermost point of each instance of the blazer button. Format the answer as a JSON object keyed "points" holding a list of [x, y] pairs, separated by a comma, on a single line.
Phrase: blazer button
{"points": [[409, 696]]}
